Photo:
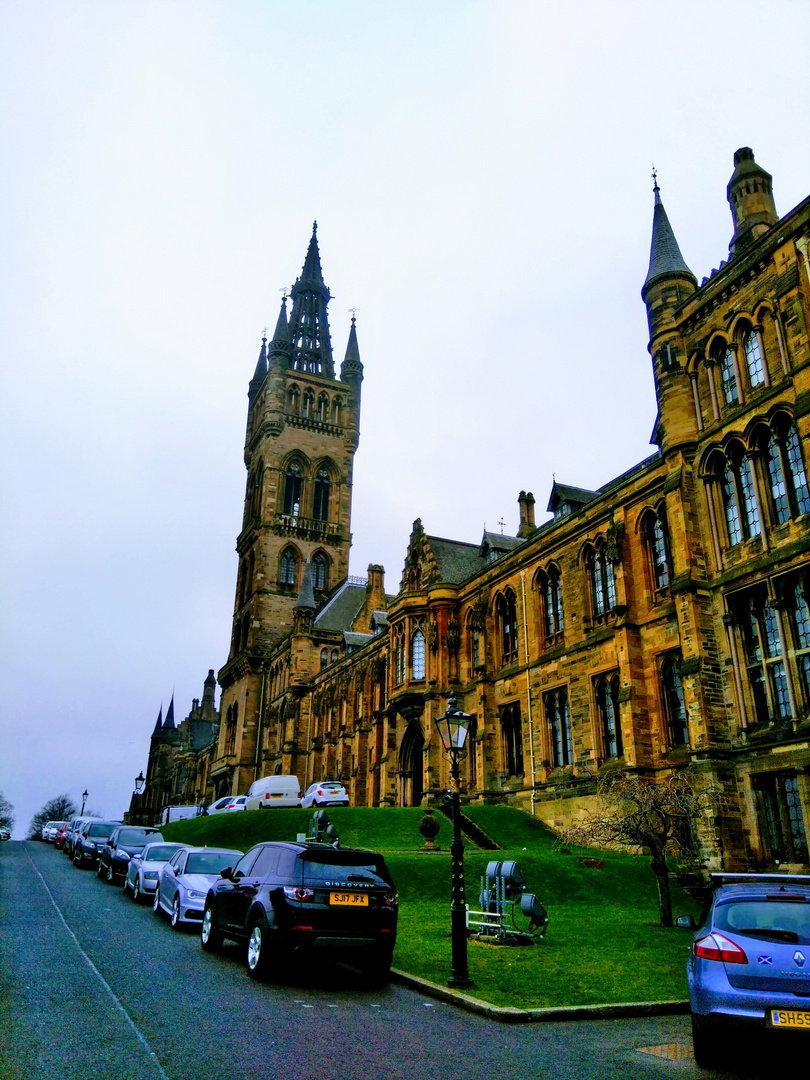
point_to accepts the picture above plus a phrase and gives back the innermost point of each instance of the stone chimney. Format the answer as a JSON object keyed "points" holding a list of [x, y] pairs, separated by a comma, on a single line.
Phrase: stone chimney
{"points": [[526, 504], [375, 599]]}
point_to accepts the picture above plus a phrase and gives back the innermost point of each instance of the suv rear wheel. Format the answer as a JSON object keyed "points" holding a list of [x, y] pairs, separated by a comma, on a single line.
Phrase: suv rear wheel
{"points": [[257, 954]]}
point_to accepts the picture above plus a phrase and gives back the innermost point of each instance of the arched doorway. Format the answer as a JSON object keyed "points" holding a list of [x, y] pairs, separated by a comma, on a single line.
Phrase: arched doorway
{"points": [[411, 776]]}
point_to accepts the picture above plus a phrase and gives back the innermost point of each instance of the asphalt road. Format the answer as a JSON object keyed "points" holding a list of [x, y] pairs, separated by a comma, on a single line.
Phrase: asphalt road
{"points": [[93, 986]]}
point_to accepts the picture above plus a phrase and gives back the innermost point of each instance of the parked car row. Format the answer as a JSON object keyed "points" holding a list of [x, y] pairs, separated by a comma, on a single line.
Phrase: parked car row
{"points": [[267, 792], [279, 901], [50, 829]]}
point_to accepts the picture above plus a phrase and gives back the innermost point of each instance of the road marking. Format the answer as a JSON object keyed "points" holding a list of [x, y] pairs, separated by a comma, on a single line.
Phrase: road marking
{"points": [[141, 1039]]}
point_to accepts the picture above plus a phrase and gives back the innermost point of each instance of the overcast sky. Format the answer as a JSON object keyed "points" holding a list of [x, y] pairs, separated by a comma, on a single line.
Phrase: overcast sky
{"points": [[480, 173]]}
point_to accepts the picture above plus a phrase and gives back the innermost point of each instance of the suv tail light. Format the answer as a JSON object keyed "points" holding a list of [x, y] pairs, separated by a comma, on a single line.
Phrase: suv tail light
{"points": [[301, 895], [391, 898], [718, 947]]}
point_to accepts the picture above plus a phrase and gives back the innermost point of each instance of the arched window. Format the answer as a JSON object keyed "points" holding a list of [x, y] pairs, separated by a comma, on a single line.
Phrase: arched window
{"points": [[337, 407], [399, 656], [308, 403], [475, 642], [293, 484], [334, 656], [512, 736], [762, 642], [257, 490], [230, 728], [320, 500], [729, 378], [736, 484], [320, 571], [324, 658], [245, 631], [787, 479], [552, 604], [798, 607], [287, 567], [293, 400], [506, 614], [607, 704], [418, 654], [559, 722], [323, 408], [753, 359], [672, 688], [603, 580], [657, 541]]}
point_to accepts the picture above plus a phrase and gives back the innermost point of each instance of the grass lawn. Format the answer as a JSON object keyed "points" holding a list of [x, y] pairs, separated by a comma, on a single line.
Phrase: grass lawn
{"points": [[604, 943]]}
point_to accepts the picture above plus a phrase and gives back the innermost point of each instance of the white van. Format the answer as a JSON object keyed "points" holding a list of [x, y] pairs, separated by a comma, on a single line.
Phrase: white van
{"points": [[179, 813], [273, 791]]}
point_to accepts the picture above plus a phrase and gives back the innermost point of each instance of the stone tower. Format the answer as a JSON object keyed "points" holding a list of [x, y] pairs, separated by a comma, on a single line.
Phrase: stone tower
{"points": [[302, 433]]}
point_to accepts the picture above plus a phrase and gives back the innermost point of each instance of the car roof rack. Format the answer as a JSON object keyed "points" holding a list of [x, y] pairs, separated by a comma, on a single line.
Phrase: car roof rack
{"points": [[721, 878]]}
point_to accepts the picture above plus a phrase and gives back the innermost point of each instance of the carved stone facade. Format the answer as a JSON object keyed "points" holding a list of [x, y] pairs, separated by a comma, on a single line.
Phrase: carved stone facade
{"points": [[657, 622]]}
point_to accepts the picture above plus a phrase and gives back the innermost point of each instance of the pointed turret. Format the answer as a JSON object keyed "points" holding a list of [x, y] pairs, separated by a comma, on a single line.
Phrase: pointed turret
{"points": [[669, 280], [158, 725], [281, 345], [208, 688], [261, 369], [309, 327], [351, 370], [666, 260], [750, 196], [168, 723], [306, 597]]}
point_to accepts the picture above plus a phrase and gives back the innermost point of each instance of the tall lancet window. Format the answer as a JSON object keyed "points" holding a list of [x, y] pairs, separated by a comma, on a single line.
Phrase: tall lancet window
{"points": [[320, 502], [293, 483]]}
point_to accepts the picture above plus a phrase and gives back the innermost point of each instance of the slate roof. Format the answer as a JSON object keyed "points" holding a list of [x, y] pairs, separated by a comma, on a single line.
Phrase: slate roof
{"points": [[352, 639], [576, 496], [456, 560], [665, 255], [341, 609]]}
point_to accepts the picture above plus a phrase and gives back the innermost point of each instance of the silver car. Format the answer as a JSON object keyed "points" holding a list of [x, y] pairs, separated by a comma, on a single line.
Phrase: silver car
{"points": [[185, 879], [144, 869]]}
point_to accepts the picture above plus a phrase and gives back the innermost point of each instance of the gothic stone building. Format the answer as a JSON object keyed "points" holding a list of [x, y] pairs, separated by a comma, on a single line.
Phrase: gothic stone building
{"points": [[659, 621]]}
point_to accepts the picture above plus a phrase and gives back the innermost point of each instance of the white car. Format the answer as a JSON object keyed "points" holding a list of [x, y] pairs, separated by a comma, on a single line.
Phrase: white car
{"points": [[327, 793], [144, 868], [185, 879], [5, 834], [227, 804]]}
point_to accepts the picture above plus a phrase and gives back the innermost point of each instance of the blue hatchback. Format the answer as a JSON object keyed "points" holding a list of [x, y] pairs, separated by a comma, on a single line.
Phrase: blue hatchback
{"points": [[749, 966]]}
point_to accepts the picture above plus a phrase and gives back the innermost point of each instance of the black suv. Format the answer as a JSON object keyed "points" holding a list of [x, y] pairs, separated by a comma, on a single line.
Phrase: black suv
{"points": [[90, 839], [306, 899], [124, 842]]}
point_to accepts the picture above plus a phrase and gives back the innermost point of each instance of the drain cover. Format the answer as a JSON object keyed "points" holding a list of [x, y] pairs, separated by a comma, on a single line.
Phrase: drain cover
{"points": [[677, 1051]]}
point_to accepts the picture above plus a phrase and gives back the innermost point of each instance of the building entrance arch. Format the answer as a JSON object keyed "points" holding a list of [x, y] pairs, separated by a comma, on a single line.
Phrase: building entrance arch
{"points": [[411, 766]]}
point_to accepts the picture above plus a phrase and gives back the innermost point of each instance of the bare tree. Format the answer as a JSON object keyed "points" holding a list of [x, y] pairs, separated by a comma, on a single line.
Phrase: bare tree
{"points": [[6, 813], [656, 817], [59, 808]]}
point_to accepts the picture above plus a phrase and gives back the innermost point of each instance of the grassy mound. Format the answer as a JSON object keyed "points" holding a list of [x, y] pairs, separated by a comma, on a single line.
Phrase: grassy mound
{"points": [[604, 943]]}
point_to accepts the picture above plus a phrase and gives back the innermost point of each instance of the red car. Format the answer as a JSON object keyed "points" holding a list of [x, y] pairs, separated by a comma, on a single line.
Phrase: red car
{"points": [[61, 833]]}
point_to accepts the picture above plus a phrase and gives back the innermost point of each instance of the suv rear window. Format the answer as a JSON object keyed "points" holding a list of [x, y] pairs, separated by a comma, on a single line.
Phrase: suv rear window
{"points": [[769, 920], [341, 868], [100, 830]]}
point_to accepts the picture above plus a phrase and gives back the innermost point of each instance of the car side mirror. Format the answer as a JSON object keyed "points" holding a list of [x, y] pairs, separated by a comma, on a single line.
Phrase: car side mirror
{"points": [[686, 922], [226, 872]]}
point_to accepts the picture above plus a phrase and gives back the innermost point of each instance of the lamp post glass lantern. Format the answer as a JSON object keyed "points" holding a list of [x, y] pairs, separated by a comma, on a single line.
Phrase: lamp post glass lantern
{"points": [[453, 728], [139, 782], [85, 793]]}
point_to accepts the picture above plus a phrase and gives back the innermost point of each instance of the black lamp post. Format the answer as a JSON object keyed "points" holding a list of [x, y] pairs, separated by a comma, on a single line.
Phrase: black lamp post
{"points": [[136, 801], [453, 728], [139, 782], [85, 793]]}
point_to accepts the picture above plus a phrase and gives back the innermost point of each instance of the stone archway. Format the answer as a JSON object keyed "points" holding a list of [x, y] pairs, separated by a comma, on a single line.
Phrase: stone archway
{"points": [[411, 766]]}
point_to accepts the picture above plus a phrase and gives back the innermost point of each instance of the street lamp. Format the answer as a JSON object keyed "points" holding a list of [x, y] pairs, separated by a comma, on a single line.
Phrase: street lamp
{"points": [[453, 728], [139, 782], [85, 793]]}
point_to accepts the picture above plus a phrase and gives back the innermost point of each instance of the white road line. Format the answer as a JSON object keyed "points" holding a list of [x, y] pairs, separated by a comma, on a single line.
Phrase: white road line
{"points": [[99, 976]]}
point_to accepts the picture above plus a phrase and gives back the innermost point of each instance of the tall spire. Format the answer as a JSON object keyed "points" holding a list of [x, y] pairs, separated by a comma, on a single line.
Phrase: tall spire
{"points": [[665, 255], [168, 723], [309, 326], [306, 597]]}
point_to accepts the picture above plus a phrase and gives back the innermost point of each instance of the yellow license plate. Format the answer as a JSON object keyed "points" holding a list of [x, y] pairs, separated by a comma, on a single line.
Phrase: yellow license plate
{"points": [[348, 899], [790, 1018]]}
